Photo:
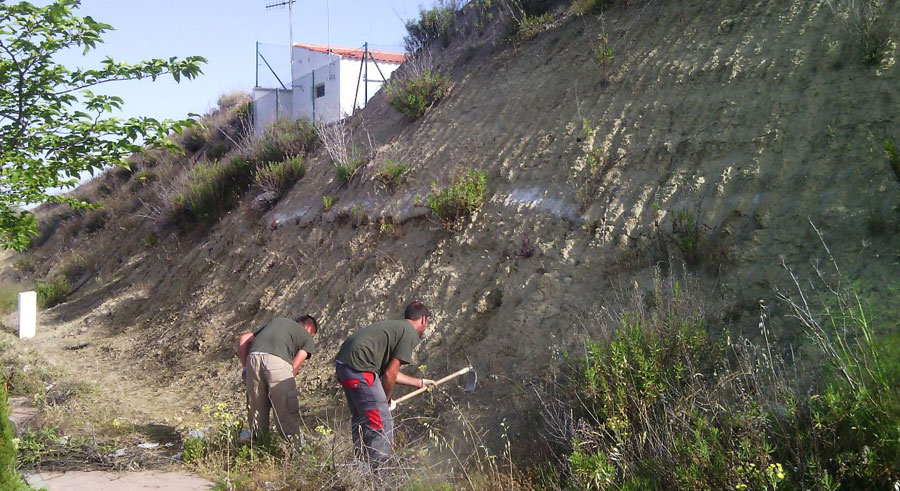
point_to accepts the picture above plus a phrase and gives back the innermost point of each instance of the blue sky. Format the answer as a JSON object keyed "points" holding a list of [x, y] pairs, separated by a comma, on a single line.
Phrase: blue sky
{"points": [[226, 32]]}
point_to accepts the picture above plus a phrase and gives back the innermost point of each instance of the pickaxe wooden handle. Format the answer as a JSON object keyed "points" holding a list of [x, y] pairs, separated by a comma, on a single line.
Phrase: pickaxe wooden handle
{"points": [[436, 383]]}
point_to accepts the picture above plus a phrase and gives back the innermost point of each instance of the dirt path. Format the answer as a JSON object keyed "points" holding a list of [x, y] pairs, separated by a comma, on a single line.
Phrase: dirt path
{"points": [[116, 481]]}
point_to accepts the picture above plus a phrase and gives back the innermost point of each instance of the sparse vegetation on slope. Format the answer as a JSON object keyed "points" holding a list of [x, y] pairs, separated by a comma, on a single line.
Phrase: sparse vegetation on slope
{"points": [[392, 174], [413, 96], [278, 176], [460, 198], [671, 401], [10, 479]]}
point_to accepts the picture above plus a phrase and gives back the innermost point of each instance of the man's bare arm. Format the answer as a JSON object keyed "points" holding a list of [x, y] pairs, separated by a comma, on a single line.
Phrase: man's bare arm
{"points": [[302, 355], [244, 347], [390, 376], [404, 379]]}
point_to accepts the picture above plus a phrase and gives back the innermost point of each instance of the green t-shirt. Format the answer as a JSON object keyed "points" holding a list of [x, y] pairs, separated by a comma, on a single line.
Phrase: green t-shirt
{"points": [[372, 347], [283, 338]]}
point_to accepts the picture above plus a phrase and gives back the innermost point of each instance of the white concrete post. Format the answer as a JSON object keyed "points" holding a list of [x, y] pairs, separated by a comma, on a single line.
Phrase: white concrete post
{"points": [[27, 314]]}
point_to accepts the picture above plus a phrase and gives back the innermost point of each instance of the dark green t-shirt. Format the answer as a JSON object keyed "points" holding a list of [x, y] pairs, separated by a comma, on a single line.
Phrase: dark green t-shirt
{"points": [[372, 347], [283, 338]]}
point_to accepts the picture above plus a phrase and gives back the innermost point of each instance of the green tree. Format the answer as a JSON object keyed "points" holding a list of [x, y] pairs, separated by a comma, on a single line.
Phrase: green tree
{"points": [[51, 126]]}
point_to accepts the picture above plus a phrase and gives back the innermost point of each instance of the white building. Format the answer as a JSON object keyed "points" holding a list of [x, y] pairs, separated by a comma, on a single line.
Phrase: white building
{"points": [[328, 83]]}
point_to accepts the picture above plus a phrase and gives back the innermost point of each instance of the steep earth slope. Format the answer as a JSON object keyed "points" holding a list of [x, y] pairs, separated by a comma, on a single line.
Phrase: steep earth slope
{"points": [[721, 131]]}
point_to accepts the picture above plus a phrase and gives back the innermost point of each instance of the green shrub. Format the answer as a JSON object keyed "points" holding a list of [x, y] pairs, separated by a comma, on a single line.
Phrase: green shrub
{"points": [[211, 190], [432, 26], [344, 171], [584, 7], [893, 155], [192, 449], [194, 139], [530, 26], [415, 95], [279, 176], [143, 179], [687, 232], [603, 55], [461, 198], [328, 201], [52, 292], [9, 477], [284, 139], [392, 175], [683, 405]]}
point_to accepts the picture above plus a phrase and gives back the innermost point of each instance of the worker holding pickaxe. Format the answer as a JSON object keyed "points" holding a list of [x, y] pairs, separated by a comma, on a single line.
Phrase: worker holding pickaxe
{"points": [[368, 367]]}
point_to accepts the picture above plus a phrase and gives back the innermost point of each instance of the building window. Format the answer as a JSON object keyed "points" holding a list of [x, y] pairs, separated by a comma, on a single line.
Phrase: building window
{"points": [[320, 91]]}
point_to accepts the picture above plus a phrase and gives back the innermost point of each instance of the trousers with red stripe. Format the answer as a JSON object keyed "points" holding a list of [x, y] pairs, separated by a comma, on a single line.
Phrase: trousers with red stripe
{"points": [[372, 425]]}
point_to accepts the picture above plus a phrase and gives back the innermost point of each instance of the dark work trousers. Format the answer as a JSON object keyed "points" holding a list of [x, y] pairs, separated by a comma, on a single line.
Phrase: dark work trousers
{"points": [[372, 425]]}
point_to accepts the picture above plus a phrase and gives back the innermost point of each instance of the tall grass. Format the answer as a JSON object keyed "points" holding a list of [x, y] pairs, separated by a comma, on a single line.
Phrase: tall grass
{"points": [[279, 176], [669, 401], [53, 291], [211, 189]]}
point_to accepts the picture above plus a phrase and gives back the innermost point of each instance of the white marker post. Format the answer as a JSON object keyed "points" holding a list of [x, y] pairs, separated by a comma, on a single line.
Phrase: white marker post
{"points": [[27, 314]]}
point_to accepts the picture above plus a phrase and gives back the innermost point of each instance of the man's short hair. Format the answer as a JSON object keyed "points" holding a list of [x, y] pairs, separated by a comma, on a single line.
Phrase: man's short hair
{"points": [[308, 320], [416, 310]]}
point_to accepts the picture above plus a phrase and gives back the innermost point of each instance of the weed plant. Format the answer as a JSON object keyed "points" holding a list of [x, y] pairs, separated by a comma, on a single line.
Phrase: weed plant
{"points": [[432, 26], [530, 26], [328, 201], [584, 7], [9, 477], [603, 55], [279, 176], [413, 96], [461, 198], [671, 402], [211, 189], [687, 232], [52, 292], [867, 21], [893, 156], [347, 156], [284, 139], [392, 175]]}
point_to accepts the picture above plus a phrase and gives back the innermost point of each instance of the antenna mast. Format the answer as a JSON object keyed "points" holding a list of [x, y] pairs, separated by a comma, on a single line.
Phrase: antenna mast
{"points": [[290, 6]]}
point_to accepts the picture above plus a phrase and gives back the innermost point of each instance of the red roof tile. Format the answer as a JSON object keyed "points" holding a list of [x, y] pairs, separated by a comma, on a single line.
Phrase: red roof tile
{"points": [[355, 53]]}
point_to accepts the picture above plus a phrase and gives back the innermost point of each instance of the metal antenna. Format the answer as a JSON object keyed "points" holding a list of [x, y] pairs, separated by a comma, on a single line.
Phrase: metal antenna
{"points": [[290, 6]]}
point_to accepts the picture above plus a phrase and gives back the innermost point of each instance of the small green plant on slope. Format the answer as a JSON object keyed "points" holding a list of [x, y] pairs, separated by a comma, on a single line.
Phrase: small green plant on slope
{"points": [[52, 292], [866, 20], [391, 175], [284, 139], [211, 189], [9, 477], [461, 198], [328, 201], [587, 181], [530, 26], [893, 156], [603, 55], [584, 7], [413, 96], [347, 157], [279, 176], [687, 232]]}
